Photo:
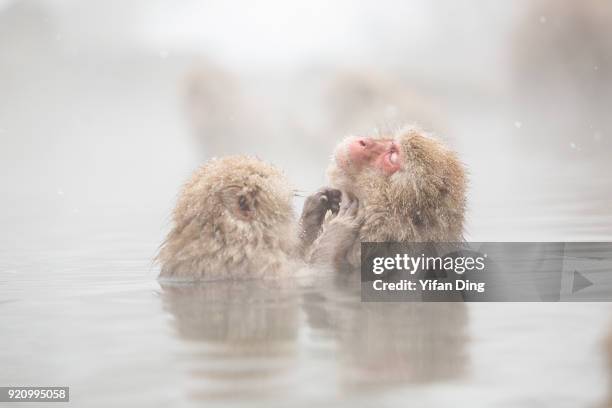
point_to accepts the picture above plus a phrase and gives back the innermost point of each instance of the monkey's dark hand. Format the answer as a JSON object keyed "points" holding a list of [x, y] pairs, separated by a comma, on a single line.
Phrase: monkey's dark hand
{"points": [[313, 214]]}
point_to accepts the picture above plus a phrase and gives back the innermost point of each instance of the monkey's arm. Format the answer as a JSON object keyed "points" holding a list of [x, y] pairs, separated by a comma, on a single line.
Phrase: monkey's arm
{"points": [[313, 214], [338, 238]]}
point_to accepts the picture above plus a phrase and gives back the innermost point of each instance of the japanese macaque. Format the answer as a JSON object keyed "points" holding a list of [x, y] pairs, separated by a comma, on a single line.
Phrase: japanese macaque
{"points": [[234, 219], [404, 186]]}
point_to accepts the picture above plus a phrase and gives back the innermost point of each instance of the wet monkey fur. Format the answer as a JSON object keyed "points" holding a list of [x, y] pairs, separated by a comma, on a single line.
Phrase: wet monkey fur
{"points": [[402, 186], [234, 219]]}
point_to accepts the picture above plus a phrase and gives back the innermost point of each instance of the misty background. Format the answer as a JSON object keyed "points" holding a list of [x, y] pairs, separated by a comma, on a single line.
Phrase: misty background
{"points": [[106, 107]]}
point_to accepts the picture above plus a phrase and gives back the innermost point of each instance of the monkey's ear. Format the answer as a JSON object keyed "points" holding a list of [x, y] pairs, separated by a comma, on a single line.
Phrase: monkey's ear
{"points": [[245, 207]]}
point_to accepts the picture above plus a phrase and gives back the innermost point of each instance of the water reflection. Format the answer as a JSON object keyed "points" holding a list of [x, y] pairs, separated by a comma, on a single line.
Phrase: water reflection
{"points": [[390, 344], [245, 337], [248, 330]]}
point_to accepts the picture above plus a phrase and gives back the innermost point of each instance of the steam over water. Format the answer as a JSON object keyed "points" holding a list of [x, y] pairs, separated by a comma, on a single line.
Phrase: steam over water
{"points": [[105, 111]]}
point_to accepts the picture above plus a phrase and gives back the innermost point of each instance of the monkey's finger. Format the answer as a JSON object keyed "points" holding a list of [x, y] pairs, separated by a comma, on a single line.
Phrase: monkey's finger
{"points": [[334, 193], [335, 208], [336, 199]]}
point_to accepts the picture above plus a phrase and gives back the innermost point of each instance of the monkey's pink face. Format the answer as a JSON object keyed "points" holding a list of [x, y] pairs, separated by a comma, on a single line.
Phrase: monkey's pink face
{"points": [[364, 152]]}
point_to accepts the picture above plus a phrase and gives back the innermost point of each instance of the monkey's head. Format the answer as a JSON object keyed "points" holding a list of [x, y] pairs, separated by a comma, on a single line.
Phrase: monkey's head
{"points": [[236, 194], [410, 186], [236, 212]]}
